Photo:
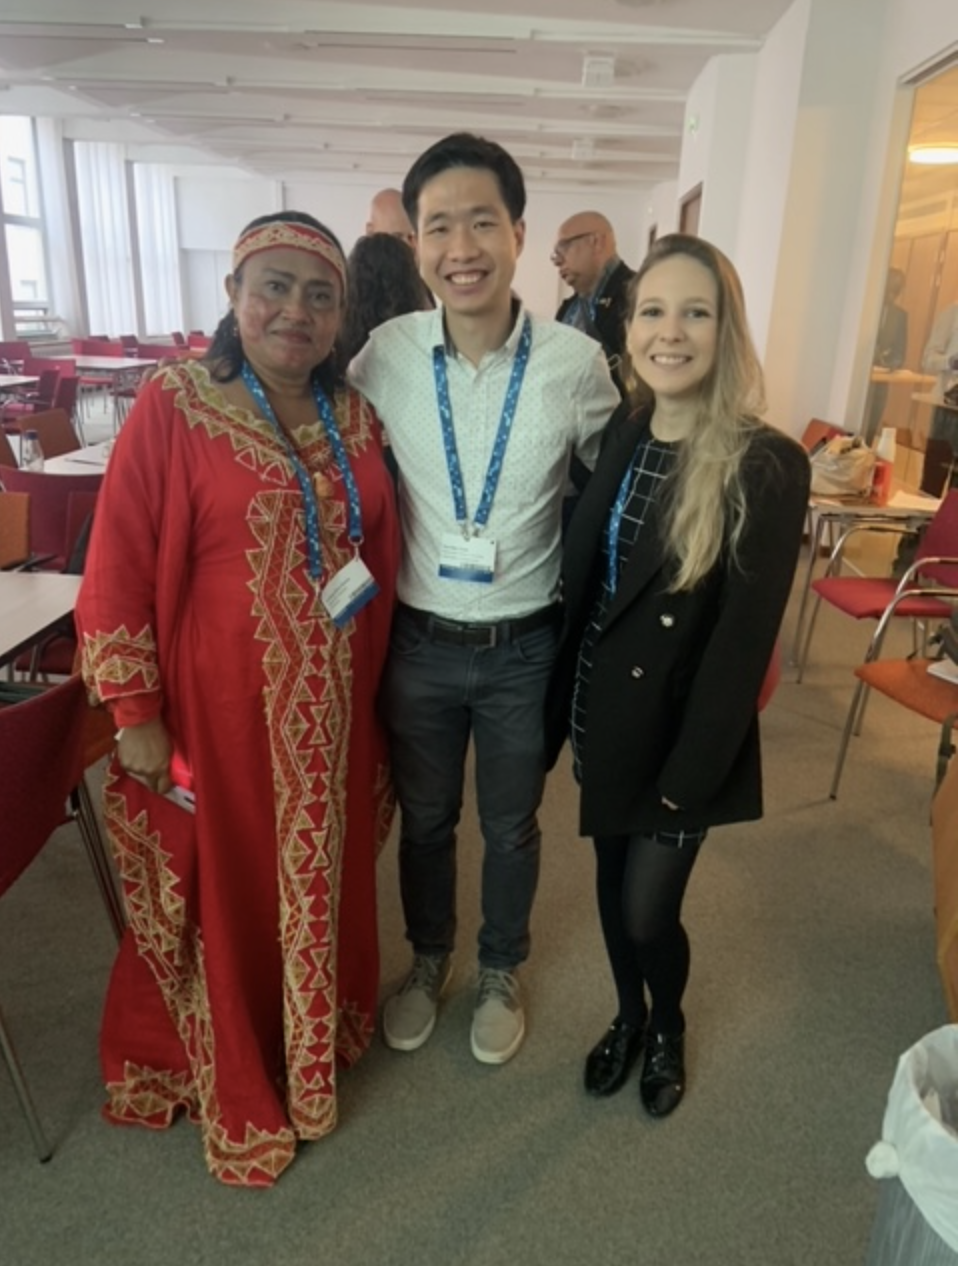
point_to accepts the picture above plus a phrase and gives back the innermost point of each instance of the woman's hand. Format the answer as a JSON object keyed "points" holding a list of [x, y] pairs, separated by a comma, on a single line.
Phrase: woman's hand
{"points": [[144, 752]]}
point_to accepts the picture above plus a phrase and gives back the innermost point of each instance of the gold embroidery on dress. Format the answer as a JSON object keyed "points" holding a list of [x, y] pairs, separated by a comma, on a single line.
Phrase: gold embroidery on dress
{"points": [[308, 701], [253, 440], [170, 943], [118, 658]]}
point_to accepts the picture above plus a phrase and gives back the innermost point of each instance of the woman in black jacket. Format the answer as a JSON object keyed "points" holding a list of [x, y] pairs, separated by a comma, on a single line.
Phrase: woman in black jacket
{"points": [[677, 569]]}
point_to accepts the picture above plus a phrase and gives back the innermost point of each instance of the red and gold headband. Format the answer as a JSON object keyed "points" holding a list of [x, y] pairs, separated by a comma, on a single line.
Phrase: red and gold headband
{"points": [[301, 237]]}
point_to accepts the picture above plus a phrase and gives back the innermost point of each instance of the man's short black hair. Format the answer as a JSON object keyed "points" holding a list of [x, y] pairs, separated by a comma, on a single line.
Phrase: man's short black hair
{"points": [[464, 149]]}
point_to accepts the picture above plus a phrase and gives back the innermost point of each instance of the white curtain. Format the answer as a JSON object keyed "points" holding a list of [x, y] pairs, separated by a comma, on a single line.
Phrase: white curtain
{"points": [[159, 248], [57, 227], [105, 237]]}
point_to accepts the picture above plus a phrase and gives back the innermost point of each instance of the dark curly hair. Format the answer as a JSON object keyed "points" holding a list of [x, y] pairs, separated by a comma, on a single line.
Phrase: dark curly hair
{"points": [[382, 282], [224, 357]]}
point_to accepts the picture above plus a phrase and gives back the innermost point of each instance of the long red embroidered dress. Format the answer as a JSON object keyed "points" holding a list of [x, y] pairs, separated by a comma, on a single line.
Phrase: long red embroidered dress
{"points": [[248, 977]]}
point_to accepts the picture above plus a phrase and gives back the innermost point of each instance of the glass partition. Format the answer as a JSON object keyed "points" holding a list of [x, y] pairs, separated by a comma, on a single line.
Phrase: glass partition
{"points": [[917, 338]]}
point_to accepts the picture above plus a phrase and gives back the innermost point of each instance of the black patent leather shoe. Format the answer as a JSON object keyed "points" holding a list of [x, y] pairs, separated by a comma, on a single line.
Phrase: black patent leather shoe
{"points": [[609, 1063], [662, 1083]]}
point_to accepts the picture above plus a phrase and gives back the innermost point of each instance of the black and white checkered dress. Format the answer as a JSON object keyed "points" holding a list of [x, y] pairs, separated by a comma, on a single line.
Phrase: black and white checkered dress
{"points": [[652, 463]]}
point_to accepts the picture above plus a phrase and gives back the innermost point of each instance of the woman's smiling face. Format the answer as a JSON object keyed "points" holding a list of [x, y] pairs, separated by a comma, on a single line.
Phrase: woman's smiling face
{"points": [[673, 333]]}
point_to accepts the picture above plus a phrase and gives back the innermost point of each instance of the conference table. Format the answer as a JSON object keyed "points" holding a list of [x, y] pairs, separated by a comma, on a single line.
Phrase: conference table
{"points": [[32, 603]]}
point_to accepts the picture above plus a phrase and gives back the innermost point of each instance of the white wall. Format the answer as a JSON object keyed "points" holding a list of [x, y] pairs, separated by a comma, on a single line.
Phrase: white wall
{"points": [[765, 182], [718, 115], [661, 211], [211, 212], [213, 205]]}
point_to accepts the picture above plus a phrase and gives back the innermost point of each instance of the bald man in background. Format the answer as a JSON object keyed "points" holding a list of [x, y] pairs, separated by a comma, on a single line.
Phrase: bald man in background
{"points": [[387, 215], [587, 259]]}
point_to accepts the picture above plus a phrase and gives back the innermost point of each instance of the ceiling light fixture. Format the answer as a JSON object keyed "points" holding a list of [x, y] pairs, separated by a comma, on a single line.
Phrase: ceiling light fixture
{"points": [[598, 72], [934, 155]]}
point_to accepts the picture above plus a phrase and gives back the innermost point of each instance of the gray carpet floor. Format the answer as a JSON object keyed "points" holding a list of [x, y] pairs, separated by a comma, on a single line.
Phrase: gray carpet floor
{"points": [[813, 969]]}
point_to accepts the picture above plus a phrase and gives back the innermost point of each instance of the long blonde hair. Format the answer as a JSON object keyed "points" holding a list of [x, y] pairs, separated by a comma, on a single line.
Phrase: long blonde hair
{"points": [[706, 510]]}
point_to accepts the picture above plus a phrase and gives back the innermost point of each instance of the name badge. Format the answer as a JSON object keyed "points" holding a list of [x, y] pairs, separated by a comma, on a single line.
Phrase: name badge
{"points": [[462, 558], [348, 591]]}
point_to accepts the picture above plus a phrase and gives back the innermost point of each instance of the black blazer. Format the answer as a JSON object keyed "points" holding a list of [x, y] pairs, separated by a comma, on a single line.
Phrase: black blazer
{"points": [[611, 312], [676, 676]]}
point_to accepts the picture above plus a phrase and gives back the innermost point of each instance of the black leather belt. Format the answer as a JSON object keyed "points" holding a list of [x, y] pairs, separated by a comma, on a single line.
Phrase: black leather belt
{"points": [[457, 633]]}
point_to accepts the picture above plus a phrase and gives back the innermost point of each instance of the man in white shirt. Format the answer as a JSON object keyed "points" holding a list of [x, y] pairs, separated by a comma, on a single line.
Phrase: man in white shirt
{"points": [[484, 405]]}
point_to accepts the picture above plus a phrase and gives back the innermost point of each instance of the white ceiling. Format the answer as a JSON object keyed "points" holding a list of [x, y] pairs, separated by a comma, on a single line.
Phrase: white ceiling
{"points": [[288, 89]]}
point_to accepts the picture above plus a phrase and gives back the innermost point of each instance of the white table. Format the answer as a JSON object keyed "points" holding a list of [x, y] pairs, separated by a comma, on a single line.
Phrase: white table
{"points": [[91, 460], [896, 377], [17, 382], [31, 604], [111, 365]]}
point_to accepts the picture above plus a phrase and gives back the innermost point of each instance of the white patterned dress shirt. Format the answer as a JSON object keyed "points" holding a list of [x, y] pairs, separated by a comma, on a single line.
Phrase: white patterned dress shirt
{"points": [[566, 399]]}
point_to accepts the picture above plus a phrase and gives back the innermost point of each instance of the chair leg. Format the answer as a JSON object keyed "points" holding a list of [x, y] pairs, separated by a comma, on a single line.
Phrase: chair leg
{"points": [[846, 737], [43, 1149], [860, 719], [85, 815], [803, 657], [946, 748]]}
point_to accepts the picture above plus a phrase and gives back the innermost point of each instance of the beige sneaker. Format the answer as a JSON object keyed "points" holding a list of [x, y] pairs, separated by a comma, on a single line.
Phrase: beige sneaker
{"points": [[409, 1016], [498, 1022]]}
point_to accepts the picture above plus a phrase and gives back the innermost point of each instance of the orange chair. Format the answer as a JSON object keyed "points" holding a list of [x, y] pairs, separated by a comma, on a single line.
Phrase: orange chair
{"points": [[53, 429], [909, 683], [926, 591], [47, 740], [14, 530], [7, 456]]}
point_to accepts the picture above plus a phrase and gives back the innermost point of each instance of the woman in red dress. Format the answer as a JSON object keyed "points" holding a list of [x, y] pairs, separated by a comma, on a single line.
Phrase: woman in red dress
{"points": [[235, 612]]}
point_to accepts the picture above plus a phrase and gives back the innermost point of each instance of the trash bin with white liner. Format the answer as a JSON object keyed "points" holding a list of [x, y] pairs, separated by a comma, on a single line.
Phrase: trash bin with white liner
{"points": [[916, 1223]]}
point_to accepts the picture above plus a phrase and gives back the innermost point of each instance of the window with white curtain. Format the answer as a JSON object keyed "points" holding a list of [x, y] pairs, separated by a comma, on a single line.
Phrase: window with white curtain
{"points": [[159, 248], [23, 230], [105, 237]]}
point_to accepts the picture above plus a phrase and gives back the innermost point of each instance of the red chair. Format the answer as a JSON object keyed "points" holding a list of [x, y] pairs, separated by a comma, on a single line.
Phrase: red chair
{"points": [[37, 398], [926, 591], [179, 338], [12, 355], [65, 398], [56, 655], [47, 740], [49, 509]]}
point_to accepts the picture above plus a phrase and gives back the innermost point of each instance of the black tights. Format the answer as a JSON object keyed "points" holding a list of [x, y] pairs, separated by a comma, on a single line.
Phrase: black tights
{"points": [[640, 885]]}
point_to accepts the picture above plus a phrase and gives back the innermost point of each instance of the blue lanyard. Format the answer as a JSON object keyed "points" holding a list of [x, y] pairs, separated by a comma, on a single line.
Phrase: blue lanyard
{"points": [[310, 500], [614, 525], [481, 517]]}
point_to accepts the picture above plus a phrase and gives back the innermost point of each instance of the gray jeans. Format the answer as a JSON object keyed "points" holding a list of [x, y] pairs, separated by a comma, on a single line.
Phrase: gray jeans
{"points": [[436, 696]]}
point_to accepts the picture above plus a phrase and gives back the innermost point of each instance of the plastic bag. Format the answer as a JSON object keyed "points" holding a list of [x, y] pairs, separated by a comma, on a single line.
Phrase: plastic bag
{"points": [[920, 1131], [844, 467]]}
